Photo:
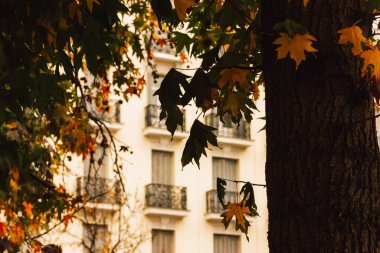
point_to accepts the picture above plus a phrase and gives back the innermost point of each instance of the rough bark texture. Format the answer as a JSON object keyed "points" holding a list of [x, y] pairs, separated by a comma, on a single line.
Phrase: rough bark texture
{"points": [[323, 163]]}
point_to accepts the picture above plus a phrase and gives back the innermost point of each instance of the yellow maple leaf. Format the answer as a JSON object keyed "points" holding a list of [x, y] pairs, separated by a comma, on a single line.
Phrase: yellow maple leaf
{"points": [[371, 57], [14, 185], [232, 76], [181, 7], [353, 35], [237, 210], [295, 46], [28, 208]]}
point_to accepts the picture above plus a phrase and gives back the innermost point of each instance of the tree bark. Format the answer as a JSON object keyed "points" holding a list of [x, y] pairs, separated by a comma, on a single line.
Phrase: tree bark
{"points": [[323, 162]]}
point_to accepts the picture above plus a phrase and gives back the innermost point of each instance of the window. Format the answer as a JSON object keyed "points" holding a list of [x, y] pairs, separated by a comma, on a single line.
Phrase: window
{"points": [[162, 241], [162, 167], [224, 168], [226, 244], [95, 238]]}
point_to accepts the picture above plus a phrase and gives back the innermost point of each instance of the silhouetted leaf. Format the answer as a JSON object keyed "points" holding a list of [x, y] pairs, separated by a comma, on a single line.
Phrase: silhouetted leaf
{"points": [[199, 88], [210, 58], [170, 95], [195, 146], [221, 190], [249, 196]]}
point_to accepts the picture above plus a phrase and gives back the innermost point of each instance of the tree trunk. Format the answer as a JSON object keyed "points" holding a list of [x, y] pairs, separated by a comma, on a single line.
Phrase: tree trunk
{"points": [[323, 162]]}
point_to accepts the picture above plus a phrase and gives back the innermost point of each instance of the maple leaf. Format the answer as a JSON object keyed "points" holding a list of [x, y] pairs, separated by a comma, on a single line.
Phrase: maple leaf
{"points": [[371, 57], [14, 185], [16, 234], [182, 57], [295, 46], [305, 2], [3, 229], [238, 210], [67, 218], [353, 35], [181, 7], [232, 76], [236, 104], [28, 208]]}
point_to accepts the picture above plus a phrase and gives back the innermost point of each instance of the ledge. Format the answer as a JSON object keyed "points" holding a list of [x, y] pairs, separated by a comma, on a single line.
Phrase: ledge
{"points": [[103, 206], [235, 142], [166, 57], [159, 132], [172, 213]]}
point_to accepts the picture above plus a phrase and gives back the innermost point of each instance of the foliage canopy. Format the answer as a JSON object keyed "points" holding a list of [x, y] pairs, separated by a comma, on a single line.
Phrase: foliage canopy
{"points": [[49, 110]]}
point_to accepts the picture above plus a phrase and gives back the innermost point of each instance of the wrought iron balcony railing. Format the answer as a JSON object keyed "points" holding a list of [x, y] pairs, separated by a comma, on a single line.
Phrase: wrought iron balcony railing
{"points": [[243, 131], [152, 118], [99, 190], [213, 205], [166, 196]]}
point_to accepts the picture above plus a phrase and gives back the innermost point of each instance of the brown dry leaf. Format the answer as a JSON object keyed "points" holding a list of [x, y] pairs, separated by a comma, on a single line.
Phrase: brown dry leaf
{"points": [[295, 46], [181, 7], [236, 209], [354, 35], [232, 104], [234, 76], [371, 57], [256, 91]]}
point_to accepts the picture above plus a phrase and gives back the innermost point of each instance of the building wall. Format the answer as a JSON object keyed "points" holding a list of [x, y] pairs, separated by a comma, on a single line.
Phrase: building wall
{"points": [[194, 230]]}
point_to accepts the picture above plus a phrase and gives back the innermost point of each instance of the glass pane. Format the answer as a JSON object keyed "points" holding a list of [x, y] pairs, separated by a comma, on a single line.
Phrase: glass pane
{"points": [[162, 241], [226, 244], [225, 168], [162, 167]]}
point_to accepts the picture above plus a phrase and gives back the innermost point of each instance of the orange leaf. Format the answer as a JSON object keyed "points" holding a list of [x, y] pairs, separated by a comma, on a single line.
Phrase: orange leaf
{"points": [[305, 2], [353, 35], [28, 208], [182, 57], [237, 210], [67, 218], [295, 46], [181, 7], [371, 57], [16, 234], [3, 229]]}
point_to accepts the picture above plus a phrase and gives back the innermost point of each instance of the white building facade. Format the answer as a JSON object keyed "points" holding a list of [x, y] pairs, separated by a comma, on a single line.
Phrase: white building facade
{"points": [[180, 211]]}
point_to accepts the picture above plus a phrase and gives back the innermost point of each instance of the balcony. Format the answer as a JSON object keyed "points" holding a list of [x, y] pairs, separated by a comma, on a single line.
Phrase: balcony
{"points": [[101, 192], [165, 200], [110, 117], [213, 208], [161, 43], [156, 128], [229, 133]]}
